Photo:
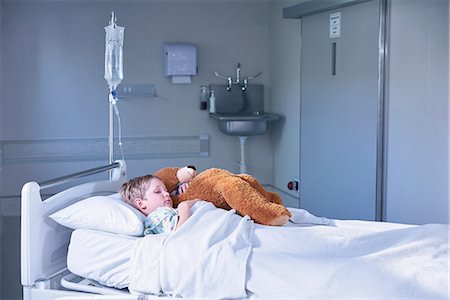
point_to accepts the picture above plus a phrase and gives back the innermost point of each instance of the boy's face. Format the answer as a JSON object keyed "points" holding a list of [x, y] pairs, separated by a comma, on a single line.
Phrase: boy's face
{"points": [[155, 196]]}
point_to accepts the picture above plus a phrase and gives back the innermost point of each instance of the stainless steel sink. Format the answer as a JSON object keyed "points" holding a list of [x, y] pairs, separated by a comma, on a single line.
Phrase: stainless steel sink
{"points": [[244, 124]]}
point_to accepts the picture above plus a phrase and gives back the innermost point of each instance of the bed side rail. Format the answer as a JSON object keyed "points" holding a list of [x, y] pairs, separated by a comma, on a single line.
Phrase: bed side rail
{"points": [[117, 168]]}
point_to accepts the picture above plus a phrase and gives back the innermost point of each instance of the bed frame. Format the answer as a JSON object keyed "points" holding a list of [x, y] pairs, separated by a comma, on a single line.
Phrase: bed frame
{"points": [[44, 243]]}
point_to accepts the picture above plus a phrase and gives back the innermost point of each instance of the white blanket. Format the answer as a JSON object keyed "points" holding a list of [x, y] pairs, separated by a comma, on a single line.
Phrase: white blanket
{"points": [[351, 260], [208, 258], [205, 258]]}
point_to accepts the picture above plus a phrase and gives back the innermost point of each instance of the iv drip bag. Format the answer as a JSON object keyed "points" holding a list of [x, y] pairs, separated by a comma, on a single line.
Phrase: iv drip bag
{"points": [[114, 53]]}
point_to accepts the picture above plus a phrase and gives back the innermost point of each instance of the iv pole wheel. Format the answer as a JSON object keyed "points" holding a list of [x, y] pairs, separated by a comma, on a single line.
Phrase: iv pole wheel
{"points": [[242, 165]]}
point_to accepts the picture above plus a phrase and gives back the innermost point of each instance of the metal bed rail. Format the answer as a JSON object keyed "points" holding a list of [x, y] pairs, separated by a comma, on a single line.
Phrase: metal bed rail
{"points": [[71, 177]]}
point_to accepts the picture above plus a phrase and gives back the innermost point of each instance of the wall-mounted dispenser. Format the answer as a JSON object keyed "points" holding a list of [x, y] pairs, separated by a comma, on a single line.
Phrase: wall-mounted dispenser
{"points": [[180, 61]]}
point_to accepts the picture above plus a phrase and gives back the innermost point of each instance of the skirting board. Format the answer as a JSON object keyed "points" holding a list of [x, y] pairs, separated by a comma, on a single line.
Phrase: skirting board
{"points": [[82, 149]]}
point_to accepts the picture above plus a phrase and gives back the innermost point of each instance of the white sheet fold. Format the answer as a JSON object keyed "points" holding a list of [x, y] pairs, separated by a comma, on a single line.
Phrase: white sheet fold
{"points": [[205, 258]]}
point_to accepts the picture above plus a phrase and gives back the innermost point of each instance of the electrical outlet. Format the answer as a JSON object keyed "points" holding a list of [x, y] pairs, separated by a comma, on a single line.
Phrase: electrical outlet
{"points": [[293, 185]]}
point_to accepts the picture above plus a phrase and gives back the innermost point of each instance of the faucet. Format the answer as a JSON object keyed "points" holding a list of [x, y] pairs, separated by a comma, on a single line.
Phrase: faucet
{"points": [[238, 73], [230, 81], [246, 79], [244, 86]]}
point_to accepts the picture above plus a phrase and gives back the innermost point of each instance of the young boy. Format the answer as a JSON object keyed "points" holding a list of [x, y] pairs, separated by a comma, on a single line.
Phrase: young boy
{"points": [[150, 196]]}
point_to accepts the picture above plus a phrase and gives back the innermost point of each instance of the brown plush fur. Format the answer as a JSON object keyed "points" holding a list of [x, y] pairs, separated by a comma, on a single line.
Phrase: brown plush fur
{"points": [[226, 190]]}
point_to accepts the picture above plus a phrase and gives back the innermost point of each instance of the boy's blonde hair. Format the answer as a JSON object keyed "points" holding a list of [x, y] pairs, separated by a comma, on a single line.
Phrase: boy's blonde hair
{"points": [[135, 188]]}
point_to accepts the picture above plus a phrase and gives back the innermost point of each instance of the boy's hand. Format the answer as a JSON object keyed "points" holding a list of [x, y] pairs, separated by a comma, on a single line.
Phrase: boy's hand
{"points": [[183, 187], [184, 211], [186, 205]]}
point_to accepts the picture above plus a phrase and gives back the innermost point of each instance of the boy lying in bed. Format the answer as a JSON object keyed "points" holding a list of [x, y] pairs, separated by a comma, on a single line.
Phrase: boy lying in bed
{"points": [[150, 196]]}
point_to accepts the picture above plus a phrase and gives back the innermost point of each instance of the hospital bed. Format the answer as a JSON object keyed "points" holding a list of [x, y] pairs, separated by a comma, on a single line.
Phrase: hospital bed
{"points": [[218, 254]]}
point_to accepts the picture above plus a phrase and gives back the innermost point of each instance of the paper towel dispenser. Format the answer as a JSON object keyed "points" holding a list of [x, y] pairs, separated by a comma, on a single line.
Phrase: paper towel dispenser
{"points": [[180, 61]]}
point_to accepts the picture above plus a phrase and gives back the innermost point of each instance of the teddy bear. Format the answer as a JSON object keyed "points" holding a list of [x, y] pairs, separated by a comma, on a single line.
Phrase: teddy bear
{"points": [[227, 190]]}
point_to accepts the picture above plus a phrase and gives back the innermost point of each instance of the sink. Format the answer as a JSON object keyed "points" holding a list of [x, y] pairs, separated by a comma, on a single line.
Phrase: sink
{"points": [[253, 123]]}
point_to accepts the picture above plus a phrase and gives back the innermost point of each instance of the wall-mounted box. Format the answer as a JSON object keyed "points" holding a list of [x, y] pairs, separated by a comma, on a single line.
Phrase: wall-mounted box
{"points": [[180, 61]]}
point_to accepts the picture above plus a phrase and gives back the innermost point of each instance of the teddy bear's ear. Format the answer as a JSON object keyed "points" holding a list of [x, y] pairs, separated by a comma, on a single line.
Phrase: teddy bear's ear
{"points": [[186, 174], [169, 177]]}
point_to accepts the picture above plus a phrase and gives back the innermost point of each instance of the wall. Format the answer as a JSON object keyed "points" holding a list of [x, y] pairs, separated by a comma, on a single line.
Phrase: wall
{"points": [[1, 188], [60, 64], [417, 155], [285, 91]]}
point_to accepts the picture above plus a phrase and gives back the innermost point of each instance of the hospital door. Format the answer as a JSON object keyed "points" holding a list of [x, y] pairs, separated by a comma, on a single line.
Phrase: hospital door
{"points": [[338, 118]]}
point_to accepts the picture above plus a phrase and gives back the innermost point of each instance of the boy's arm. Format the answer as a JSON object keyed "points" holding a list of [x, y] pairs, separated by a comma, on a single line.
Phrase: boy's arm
{"points": [[184, 211]]}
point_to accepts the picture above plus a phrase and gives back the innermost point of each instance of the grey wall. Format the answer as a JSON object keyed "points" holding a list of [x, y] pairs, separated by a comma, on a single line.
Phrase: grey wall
{"points": [[418, 119], [285, 94], [1, 180], [54, 86]]}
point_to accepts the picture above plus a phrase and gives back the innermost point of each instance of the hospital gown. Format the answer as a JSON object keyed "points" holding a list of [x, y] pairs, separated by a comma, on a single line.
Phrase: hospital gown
{"points": [[162, 220]]}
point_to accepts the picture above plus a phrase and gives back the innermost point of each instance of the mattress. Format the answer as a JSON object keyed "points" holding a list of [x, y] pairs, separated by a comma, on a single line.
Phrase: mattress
{"points": [[101, 256]]}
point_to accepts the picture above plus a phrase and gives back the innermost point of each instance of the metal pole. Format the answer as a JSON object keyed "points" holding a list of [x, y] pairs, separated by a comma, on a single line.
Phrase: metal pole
{"points": [[380, 209], [243, 166], [111, 133]]}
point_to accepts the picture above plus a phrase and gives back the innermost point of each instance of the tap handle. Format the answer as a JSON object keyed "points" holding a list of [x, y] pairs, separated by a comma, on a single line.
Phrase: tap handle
{"points": [[221, 76], [245, 85], [238, 72], [254, 76]]}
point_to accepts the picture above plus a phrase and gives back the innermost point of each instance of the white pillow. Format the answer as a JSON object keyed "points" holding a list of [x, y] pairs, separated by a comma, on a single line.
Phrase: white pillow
{"points": [[103, 213]]}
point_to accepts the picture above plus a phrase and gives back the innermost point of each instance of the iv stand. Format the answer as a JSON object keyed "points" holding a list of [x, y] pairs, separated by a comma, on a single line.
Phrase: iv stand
{"points": [[111, 131]]}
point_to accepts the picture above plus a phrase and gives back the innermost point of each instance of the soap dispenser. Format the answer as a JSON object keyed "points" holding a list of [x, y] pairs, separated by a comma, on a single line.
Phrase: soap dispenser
{"points": [[212, 103]]}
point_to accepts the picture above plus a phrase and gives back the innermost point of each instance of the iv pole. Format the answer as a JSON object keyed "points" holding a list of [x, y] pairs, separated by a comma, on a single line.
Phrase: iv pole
{"points": [[111, 130]]}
